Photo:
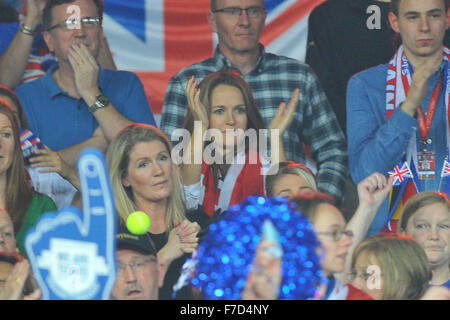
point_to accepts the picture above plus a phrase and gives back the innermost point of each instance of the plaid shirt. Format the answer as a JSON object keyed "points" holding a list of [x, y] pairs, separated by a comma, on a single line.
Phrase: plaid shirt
{"points": [[272, 81]]}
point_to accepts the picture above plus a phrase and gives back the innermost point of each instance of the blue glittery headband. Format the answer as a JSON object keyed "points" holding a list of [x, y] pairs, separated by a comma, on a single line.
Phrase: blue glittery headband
{"points": [[225, 255]]}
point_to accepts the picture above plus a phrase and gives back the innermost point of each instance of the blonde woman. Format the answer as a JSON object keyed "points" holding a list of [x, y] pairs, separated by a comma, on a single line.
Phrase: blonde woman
{"points": [[391, 267], [144, 178], [290, 178]]}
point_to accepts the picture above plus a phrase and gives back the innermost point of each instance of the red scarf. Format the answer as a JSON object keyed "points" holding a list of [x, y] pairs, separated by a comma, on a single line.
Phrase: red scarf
{"points": [[242, 180], [397, 86]]}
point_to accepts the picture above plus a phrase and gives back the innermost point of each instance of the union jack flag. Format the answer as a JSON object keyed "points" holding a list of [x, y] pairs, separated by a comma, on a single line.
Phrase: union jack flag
{"points": [[446, 169], [157, 38], [401, 173]]}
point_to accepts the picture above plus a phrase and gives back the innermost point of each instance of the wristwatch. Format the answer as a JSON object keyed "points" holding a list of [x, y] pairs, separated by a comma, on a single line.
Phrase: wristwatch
{"points": [[101, 101], [27, 30]]}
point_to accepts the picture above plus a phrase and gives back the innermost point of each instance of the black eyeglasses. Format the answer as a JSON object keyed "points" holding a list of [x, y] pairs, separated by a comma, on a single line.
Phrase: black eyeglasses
{"points": [[71, 24], [337, 235], [236, 12]]}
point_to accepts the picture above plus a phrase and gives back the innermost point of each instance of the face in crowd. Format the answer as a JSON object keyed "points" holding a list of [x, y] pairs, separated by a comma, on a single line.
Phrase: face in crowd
{"points": [[7, 238], [330, 227], [426, 218], [149, 172], [238, 33], [330, 224], [422, 26], [392, 267], [60, 38], [228, 113], [138, 276], [7, 142], [289, 178]]}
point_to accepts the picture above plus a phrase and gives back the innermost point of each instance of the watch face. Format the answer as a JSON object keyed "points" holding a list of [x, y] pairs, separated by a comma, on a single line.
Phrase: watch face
{"points": [[103, 100]]}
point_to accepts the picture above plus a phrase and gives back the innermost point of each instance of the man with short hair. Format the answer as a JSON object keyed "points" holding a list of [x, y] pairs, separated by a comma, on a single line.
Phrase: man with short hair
{"points": [[399, 111], [272, 79], [78, 104], [139, 275]]}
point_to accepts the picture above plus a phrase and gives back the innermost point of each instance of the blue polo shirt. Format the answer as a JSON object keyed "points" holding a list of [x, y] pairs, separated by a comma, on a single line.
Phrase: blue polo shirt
{"points": [[61, 121]]}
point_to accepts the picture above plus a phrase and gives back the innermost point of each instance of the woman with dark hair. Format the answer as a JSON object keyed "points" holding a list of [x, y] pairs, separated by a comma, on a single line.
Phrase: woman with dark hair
{"points": [[226, 164], [12, 100], [24, 205], [426, 218], [49, 174]]}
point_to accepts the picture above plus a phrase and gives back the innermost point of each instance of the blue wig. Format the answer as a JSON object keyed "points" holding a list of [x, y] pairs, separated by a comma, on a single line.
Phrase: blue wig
{"points": [[225, 256]]}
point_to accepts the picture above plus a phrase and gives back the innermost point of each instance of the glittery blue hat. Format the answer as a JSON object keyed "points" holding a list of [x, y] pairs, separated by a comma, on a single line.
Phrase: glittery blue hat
{"points": [[224, 257]]}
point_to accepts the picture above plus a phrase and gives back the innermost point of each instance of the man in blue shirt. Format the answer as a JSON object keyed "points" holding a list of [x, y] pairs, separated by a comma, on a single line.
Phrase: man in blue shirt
{"points": [[78, 104], [385, 103]]}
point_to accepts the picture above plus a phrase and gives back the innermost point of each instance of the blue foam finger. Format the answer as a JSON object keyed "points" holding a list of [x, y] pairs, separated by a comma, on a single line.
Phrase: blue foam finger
{"points": [[72, 254], [269, 233]]}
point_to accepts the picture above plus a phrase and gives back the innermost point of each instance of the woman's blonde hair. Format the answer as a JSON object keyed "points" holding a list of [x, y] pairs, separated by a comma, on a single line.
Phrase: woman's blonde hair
{"points": [[118, 158], [403, 263], [289, 167]]}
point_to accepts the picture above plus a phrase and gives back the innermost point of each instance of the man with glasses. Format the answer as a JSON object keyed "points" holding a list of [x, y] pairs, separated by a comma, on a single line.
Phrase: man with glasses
{"points": [[24, 56], [79, 104], [273, 79], [138, 273]]}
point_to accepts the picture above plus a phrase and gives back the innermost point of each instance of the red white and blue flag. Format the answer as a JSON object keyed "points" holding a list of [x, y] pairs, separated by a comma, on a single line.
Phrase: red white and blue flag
{"points": [[446, 169], [157, 38], [401, 173]]}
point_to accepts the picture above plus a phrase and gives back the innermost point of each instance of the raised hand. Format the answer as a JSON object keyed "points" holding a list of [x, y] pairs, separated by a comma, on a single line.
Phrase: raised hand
{"points": [[85, 71], [285, 114], [182, 239], [13, 287], [419, 83], [374, 189], [51, 161], [35, 8], [264, 280], [197, 108], [187, 233], [73, 253]]}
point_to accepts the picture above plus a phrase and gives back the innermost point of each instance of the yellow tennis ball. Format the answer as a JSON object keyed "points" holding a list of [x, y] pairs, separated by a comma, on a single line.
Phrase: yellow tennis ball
{"points": [[138, 223]]}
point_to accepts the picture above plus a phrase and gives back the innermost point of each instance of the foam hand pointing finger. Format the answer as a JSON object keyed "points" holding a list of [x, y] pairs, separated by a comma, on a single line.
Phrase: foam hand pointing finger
{"points": [[73, 253]]}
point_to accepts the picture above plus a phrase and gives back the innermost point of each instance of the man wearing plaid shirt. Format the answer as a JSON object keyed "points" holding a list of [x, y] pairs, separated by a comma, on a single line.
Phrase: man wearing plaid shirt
{"points": [[272, 78]]}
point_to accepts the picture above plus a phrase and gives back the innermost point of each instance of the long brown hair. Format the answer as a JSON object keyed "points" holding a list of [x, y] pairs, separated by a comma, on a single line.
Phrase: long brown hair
{"points": [[18, 191], [5, 91], [231, 78]]}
